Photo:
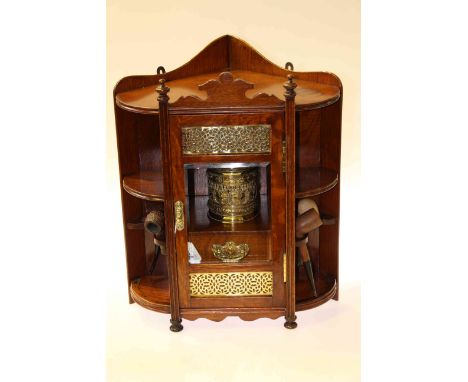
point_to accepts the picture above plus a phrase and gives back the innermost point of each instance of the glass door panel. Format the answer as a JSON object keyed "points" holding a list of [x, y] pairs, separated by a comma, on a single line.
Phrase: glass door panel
{"points": [[228, 177], [228, 212]]}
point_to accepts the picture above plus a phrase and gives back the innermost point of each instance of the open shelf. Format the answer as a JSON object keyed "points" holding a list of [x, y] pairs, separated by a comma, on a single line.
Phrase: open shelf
{"points": [[325, 286], [308, 93], [200, 223], [151, 292], [314, 181], [146, 185]]}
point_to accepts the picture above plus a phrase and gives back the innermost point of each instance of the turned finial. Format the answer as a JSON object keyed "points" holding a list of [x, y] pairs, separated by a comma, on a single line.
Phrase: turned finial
{"points": [[162, 90], [290, 85]]}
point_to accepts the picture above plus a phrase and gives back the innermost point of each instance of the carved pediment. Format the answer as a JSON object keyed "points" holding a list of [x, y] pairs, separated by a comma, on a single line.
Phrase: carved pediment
{"points": [[227, 91]]}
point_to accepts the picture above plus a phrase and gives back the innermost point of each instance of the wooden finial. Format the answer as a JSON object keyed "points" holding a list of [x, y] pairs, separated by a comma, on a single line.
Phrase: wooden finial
{"points": [[162, 90], [290, 85]]}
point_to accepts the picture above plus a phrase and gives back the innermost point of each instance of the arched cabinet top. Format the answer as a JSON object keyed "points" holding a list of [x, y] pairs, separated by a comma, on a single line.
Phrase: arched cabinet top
{"points": [[227, 54]]}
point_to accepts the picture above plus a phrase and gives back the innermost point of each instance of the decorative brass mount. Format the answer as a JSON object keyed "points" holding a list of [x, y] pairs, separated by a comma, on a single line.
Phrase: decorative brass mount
{"points": [[179, 215], [285, 268], [230, 252]]}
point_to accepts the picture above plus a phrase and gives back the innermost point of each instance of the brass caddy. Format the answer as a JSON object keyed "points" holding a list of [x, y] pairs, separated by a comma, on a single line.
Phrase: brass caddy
{"points": [[234, 195]]}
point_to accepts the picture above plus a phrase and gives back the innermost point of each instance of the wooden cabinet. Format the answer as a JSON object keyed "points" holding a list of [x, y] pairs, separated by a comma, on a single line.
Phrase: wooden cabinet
{"points": [[217, 160]]}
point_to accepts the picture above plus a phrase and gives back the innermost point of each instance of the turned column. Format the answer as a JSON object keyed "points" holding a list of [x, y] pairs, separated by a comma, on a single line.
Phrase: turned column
{"points": [[290, 137], [163, 100]]}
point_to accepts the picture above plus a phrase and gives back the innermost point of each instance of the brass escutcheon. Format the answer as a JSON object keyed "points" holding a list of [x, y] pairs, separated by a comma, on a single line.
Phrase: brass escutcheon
{"points": [[230, 252]]}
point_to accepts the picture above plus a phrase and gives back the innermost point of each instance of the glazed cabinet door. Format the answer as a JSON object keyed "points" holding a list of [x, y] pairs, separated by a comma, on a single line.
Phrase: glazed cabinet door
{"points": [[229, 205]]}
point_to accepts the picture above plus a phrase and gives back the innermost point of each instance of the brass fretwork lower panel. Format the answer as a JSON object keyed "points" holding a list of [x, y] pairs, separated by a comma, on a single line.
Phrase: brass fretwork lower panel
{"points": [[231, 284]]}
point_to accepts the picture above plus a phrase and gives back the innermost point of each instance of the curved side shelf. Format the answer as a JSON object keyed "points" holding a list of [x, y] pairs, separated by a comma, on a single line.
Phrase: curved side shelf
{"points": [[146, 185], [326, 289], [151, 292], [314, 181]]}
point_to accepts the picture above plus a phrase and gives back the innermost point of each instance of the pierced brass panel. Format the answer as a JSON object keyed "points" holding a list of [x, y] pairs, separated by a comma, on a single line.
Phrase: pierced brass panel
{"points": [[226, 139], [231, 284]]}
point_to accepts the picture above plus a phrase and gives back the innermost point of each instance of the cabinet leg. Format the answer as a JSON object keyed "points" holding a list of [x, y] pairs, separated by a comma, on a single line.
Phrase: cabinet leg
{"points": [[176, 325], [290, 322]]}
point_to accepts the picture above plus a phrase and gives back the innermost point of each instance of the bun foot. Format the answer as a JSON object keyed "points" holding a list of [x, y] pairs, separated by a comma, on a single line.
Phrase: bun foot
{"points": [[176, 326], [291, 323]]}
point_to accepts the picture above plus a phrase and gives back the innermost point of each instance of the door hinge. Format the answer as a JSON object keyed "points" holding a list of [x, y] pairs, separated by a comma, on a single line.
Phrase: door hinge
{"points": [[283, 162], [285, 274]]}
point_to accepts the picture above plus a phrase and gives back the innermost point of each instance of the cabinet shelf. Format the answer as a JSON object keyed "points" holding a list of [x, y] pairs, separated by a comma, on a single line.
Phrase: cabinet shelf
{"points": [[151, 292], [146, 185], [199, 223], [312, 181], [326, 290]]}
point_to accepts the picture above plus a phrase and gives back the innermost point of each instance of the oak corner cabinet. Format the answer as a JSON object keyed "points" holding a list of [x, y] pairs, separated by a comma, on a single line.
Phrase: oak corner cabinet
{"points": [[229, 174]]}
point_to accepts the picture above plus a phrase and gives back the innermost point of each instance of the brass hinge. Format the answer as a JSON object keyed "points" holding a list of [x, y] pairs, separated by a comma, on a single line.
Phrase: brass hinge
{"points": [[285, 274], [283, 163]]}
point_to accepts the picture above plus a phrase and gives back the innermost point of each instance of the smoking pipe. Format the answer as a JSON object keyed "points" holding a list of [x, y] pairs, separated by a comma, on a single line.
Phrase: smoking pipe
{"points": [[307, 221], [154, 223]]}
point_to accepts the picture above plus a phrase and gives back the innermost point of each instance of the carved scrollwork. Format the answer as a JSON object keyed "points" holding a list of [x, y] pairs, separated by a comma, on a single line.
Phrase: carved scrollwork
{"points": [[227, 91]]}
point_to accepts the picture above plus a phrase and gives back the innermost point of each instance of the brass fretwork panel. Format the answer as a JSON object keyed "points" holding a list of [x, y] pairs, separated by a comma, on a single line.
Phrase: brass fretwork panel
{"points": [[231, 284], [226, 139]]}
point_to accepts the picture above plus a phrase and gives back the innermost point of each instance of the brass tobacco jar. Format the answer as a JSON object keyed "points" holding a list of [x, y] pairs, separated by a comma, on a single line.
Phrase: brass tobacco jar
{"points": [[233, 194]]}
